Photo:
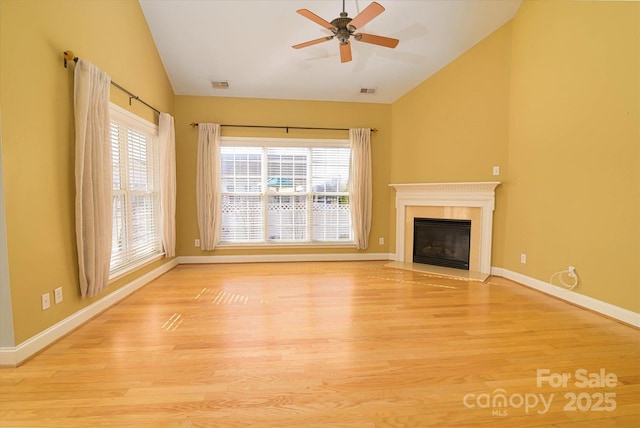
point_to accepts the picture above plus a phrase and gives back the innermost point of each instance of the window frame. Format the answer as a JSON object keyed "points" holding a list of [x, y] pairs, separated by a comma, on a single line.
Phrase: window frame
{"points": [[151, 130], [284, 143]]}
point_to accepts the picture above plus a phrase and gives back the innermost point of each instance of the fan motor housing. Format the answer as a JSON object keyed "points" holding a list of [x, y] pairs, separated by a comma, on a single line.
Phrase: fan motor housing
{"points": [[343, 32]]}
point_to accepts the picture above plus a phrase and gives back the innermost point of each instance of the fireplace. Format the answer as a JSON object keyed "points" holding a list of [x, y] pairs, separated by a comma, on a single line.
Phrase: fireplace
{"points": [[472, 201], [442, 242]]}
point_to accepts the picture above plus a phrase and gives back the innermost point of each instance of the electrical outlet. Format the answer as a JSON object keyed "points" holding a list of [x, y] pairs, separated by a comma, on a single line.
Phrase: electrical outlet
{"points": [[572, 272], [496, 170], [57, 295], [381, 240], [197, 242], [46, 301], [523, 258]]}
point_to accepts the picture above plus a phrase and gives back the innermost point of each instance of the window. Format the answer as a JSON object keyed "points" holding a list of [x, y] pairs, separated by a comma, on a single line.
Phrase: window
{"points": [[276, 191], [136, 199]]}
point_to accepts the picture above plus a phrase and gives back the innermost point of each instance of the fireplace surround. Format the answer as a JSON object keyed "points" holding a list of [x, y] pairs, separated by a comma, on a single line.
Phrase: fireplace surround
{"points": [[474, 201]]}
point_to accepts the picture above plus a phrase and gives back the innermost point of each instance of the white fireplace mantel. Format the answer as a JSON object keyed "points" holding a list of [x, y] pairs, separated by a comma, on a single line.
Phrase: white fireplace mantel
{"points": [[464, 194]]}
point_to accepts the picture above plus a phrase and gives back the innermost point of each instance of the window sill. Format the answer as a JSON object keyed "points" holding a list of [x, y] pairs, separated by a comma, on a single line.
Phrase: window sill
{"points": [[116, 275], [255, 246]]}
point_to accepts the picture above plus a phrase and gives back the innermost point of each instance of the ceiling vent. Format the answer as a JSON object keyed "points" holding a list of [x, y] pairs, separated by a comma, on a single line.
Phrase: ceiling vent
{"points": [[221, 84], [367, 90]]}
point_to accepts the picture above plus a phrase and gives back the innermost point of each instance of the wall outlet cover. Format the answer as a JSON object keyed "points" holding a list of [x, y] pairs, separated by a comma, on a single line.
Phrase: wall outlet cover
{"points": [[57, 295], [46, 301]]}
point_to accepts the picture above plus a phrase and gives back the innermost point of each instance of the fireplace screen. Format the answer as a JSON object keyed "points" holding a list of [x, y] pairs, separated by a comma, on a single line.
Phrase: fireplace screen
{"points": [[442, 242]]}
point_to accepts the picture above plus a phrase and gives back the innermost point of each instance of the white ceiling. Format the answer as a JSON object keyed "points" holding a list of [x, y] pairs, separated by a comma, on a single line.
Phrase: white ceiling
{"points": [[248, 43]]}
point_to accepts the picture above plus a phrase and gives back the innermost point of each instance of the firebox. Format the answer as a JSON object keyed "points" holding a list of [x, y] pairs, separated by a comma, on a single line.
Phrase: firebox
{"points": [[442, 242]]}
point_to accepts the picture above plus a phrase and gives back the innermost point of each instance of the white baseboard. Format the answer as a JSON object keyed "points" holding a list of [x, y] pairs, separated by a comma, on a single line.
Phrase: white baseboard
{"points": [[604, 308], [336, 257], [587, 302], [13, 356]]}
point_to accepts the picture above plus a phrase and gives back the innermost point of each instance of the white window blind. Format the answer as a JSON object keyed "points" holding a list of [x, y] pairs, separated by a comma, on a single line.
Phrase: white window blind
{"points": [[284, 192], [136, 210], [330, 185], [242, 210]]}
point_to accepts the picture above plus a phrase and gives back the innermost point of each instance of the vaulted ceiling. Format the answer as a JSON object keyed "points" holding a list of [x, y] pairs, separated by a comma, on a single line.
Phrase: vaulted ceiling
{"points": [[248, 44]]}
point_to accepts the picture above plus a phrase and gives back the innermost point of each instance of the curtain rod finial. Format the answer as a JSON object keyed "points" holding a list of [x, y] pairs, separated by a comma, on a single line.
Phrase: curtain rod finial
{"points": [[68, 56]]}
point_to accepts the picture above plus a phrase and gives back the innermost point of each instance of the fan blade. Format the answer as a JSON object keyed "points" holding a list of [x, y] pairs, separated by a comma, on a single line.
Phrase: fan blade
{"points": [[345, 52], [370, 12], [315, 18], [387, 42], [312, 42]]}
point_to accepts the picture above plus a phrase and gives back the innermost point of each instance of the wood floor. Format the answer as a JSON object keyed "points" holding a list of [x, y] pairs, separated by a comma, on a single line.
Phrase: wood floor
{"points": [[348, 344]]}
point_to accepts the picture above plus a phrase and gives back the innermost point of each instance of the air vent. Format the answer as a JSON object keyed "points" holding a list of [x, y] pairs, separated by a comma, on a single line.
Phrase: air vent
{"points": [[367, 90], [222, 84]]}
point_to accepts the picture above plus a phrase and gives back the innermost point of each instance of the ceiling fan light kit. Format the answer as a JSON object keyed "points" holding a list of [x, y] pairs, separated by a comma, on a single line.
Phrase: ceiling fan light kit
{"points": [[343, 28]]}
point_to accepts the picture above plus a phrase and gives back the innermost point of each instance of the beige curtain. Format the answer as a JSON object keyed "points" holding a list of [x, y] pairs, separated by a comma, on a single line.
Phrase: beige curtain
{"points": [[208, 184], [167, 146], [360, 191], [94, 175]]}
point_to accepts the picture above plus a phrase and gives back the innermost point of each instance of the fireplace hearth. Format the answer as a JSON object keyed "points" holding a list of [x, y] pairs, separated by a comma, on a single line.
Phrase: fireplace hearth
{"points": [[442, 242]]}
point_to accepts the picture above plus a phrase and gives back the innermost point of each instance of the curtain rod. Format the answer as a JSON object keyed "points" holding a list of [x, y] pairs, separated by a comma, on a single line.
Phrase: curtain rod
{"points": [[287, 128], [68, 56]]}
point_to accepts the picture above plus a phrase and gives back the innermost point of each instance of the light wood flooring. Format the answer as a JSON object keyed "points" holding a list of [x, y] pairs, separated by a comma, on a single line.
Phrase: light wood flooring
{"points": [[333, 344]]}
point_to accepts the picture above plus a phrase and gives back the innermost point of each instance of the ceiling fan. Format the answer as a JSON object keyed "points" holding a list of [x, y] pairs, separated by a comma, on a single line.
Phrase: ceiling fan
{"points": [[343, 28]]}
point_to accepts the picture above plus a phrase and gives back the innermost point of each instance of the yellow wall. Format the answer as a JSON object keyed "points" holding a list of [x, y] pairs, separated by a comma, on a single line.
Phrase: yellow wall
{"points": [[454, 126], [36, 94], [553, 98], [278, 112], [574, 146]]}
